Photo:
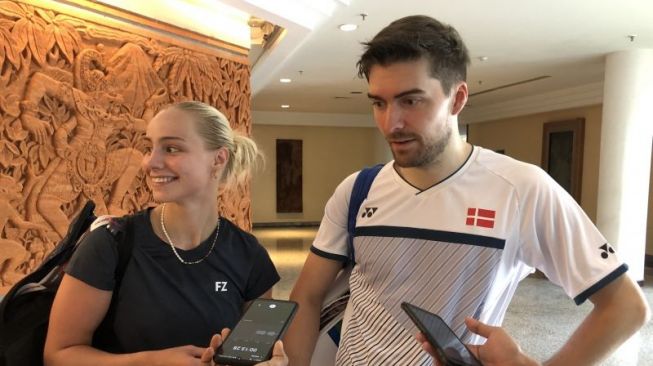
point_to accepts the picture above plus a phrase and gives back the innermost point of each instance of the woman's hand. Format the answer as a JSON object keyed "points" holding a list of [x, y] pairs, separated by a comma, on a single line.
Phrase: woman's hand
{"points": [[279, 357]]}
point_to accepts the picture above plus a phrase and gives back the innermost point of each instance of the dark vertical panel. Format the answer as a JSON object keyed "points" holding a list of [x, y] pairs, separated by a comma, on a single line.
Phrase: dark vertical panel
{"points": [[562, 153], [289, 176]]}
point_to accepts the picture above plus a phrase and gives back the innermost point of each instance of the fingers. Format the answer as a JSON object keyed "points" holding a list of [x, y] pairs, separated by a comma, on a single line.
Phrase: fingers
{"points": [[207, 356], [216, 341], [420, 337], [479, 328], [426, 346], [278, 350], [279, 357], [225, 333]]}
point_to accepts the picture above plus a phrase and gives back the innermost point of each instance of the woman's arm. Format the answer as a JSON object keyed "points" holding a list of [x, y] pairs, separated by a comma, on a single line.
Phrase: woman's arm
{"points": [[77, 311]]}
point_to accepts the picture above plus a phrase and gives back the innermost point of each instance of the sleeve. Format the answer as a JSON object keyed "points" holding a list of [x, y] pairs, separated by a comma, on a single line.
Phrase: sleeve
{"points": [[331, 238], [263, 274], [560, 240], [95, 259]]}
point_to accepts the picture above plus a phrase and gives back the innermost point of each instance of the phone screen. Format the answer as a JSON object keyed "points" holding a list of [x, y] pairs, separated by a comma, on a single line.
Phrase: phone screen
{"points": [[441, 337], [252, 339]]}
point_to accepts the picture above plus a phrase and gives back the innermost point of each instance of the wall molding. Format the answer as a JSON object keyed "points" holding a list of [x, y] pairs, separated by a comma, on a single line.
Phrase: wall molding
{"points": [[126, 21], [579, 96], [312, 119]]}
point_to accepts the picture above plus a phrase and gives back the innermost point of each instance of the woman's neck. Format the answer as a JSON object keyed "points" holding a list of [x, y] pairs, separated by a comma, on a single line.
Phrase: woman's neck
{"points": [[186, 225]]}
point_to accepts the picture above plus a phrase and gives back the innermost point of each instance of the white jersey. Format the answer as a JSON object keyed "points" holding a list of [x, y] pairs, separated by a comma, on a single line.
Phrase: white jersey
{"points": [[457, 249]]}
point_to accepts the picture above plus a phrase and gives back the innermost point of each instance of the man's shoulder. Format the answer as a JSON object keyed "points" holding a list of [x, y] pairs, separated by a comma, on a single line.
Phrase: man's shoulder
{"points": [[513, 171]]}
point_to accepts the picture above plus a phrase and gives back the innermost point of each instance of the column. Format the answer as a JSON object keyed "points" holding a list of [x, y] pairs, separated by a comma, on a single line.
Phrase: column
{"points": [[626, 137]]}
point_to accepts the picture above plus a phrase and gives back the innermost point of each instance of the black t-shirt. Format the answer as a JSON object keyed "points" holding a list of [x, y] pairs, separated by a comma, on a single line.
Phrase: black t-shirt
{"points": [[164, 303]]}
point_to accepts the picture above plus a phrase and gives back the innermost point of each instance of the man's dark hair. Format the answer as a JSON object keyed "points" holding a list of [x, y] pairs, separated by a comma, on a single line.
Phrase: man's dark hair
{"points": [[412, 38]]}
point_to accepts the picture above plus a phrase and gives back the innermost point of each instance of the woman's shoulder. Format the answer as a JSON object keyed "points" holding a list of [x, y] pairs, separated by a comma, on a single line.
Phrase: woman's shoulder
{"points": [[237, 235]]}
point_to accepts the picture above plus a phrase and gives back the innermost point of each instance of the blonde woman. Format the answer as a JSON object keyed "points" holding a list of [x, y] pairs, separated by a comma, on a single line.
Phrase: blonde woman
{"points": [[191, 273]]}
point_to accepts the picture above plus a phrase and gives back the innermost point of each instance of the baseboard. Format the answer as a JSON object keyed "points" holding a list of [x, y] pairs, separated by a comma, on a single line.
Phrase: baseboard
{"points": [[262, 225]]}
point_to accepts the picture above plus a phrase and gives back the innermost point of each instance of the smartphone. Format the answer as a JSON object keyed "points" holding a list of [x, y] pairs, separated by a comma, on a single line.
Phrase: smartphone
{"points": [[252, 339], [446, 343]]}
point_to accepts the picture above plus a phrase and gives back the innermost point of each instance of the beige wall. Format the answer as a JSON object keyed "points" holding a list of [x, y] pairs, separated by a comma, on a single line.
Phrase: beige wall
{"points": [[329, 155], [521, 138]]}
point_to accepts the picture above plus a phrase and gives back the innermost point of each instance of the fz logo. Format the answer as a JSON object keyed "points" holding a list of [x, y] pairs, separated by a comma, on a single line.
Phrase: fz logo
{"points": [[220, 286], [606, 250], [369, 211]]}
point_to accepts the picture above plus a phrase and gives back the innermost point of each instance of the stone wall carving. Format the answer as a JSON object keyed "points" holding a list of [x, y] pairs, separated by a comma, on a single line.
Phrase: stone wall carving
{"points": [[75, 98]]}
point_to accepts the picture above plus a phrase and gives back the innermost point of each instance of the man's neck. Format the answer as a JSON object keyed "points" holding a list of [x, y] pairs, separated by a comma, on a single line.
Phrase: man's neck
{"points": [[449, 161]]}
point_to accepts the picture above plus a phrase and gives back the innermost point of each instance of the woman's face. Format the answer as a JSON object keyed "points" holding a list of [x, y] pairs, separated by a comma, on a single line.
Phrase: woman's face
{"points": [[178, 166]]}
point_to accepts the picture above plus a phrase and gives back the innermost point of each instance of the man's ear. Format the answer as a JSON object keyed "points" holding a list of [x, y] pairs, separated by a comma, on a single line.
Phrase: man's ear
{"points": [[460, 95]]}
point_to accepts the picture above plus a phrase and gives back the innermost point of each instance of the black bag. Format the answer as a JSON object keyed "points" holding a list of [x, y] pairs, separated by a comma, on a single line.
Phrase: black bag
{"points": [[25, 309]]}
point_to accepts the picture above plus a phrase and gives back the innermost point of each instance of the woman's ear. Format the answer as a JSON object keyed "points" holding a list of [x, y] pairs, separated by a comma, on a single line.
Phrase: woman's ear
{"points": [[220, 159]]}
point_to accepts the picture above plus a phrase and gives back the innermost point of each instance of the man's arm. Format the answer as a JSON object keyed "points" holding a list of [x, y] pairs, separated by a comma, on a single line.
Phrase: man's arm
{"points": [[309, 291], [619, 311]]}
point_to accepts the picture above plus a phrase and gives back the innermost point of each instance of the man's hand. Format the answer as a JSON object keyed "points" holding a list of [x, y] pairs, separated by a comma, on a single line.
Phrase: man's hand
{"points": [[499, 349]]}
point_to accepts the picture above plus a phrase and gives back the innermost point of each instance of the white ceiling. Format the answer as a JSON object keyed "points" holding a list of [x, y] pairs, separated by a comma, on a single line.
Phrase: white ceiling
{"points": [[522, 39]]}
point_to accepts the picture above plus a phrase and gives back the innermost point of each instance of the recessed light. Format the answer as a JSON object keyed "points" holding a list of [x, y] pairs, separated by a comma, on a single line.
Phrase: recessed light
{"points": [[285, 106], [347, 27], [483, 58], [285, 80]]}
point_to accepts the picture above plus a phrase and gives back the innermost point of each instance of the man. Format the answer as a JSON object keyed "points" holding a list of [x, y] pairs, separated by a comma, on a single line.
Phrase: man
{"points": [[451, 227]]}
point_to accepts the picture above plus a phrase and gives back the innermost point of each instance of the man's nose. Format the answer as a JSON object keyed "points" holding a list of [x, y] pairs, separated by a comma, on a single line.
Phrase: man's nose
{"points": [[394, 119]]}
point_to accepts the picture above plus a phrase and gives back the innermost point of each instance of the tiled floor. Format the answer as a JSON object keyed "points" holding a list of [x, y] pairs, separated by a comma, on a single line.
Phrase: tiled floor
{"points": [[541, 317]]}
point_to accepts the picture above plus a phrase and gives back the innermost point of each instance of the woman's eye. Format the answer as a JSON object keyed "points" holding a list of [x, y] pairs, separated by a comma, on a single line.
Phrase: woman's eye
{"points": [[171, 149]]}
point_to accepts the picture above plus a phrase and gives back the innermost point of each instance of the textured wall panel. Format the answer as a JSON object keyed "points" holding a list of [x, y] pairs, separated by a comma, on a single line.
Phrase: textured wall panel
{"points": [[75, 98]]}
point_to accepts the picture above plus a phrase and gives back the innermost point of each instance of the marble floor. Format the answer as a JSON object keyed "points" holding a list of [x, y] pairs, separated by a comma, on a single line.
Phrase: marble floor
{"points": [[541, 316]]}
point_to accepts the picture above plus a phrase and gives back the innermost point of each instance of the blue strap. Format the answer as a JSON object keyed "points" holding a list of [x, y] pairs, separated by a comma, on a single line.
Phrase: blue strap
{"points": [[358, 195]]}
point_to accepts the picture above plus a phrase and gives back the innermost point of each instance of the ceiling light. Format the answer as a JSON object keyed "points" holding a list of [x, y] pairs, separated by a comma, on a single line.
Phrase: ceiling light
{"points": [[347, 27], [285, 80], [285, 106], [483, 58]]}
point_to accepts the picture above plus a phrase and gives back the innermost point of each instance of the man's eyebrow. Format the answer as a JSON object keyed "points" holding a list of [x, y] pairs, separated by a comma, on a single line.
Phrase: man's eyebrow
{"points": [[402, 94]]}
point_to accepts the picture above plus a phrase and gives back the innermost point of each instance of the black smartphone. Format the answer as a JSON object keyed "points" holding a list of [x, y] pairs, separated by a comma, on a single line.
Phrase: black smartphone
{"points": [[252, 339], [446, 343]]}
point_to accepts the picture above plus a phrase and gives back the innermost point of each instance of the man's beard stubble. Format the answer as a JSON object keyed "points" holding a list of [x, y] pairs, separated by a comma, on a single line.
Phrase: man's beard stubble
{"points": [[429, 152]]}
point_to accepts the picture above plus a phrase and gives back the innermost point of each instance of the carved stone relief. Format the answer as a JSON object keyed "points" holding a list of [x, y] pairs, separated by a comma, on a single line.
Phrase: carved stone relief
{"points": [[75, 98]]}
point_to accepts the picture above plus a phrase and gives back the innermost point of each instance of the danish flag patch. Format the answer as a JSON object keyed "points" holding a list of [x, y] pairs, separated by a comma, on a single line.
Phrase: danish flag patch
{"points": [[480, 217]]}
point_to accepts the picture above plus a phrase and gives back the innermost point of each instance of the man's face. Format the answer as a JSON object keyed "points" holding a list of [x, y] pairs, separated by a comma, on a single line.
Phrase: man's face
{"points": [[412, 111]]}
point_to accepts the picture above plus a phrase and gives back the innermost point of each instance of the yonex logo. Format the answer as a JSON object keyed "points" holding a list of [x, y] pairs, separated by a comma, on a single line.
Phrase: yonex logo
{"points": [[606, 250], [369, 211], [480, 217]]}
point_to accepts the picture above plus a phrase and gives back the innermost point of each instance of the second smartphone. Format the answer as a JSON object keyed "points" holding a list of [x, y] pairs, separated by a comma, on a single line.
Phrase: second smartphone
{"points": [[252, 339], [446, 343]]}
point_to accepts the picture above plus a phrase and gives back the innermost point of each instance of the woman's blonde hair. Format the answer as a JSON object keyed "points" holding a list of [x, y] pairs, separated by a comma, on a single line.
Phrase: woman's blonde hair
{"points": [[216, 132]]}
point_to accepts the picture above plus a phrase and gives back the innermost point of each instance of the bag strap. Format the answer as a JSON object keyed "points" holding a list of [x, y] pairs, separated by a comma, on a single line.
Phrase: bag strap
{"points": [[358, 195], [122, 229]]}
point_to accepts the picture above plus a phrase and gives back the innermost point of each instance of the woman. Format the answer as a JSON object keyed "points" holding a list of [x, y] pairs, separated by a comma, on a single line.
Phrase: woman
{"points": [[191, 273]]}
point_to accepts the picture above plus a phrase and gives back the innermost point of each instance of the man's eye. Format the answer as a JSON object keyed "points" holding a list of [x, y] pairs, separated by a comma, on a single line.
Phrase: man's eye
{"points": [[411, 101]]}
